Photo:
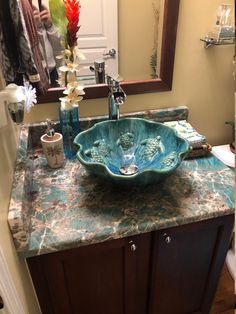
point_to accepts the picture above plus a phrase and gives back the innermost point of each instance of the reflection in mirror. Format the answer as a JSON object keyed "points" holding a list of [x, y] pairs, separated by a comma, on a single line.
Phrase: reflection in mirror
{"points": [[20, 54], [50, 40], [98, 38], [144, 24], [144, 58]]}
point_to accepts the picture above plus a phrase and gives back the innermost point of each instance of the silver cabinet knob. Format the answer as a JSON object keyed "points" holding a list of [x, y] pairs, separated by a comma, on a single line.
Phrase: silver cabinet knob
{"points": [[167, 238], [133, 246], [111, 53]]}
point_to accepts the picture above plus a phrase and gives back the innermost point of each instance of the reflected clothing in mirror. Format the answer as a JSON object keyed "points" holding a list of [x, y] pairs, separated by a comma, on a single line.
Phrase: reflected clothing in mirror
{"points": [[50, 48], [18, 45], [31, 30], [50, 43]]}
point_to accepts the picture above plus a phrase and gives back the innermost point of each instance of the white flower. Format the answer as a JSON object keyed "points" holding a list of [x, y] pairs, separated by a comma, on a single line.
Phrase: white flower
{"points": [[72, 60], [74, 91], [78, 54], [69, 101], [29, 96], [66, 76], [74, 94], [66, 103], [66, 54], [61, 79], [74, 87], [70, 67]]}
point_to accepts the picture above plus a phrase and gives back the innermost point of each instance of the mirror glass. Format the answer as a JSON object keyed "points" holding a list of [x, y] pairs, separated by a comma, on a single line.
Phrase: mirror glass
{"points": [[143, 46], [166, 39], [106, 27], [140, 37]]}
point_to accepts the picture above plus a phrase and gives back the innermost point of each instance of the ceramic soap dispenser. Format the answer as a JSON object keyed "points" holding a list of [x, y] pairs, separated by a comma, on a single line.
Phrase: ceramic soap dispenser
{"points": [[52, 144]]}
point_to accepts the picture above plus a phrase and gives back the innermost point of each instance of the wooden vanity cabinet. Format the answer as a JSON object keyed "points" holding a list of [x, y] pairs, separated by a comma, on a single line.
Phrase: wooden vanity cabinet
{"points": [[186, 265], [103, 278], [171, 271]]}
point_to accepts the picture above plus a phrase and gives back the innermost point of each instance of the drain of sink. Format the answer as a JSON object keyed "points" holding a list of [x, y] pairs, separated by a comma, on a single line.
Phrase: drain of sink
{"points": [[128, 170]]}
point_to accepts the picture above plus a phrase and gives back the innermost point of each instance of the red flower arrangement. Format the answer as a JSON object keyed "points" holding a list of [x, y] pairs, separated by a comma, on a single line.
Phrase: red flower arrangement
{"points": [[72, 15]]}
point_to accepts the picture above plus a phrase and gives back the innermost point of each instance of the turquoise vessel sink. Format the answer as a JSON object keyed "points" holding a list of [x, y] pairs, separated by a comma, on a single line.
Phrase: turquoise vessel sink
{"points": [[131, 150]]}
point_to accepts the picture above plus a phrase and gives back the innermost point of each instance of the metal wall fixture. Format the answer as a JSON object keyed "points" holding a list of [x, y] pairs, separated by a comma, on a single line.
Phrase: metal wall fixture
{"points": [[208, 42]]}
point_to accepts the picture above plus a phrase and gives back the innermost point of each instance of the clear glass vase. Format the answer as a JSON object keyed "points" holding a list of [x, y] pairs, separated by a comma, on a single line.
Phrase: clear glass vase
{"points": [[70, 127], [16, 110]]}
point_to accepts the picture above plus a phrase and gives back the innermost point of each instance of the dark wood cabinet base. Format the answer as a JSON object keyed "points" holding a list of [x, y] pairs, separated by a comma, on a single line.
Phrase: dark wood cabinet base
{"points": [[171, 271]]}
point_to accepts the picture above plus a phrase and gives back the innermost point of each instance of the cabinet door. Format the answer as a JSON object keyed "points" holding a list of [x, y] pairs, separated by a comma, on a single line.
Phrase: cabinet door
{"points": [[186, 266], [105, 278]]}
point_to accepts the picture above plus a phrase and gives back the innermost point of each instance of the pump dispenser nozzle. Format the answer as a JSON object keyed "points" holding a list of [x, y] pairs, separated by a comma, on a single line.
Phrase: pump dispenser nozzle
{"points": [[49, 131]]}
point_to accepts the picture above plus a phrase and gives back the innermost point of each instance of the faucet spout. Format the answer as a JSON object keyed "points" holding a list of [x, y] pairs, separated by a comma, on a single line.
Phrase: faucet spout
{"points": [[116, 97]]}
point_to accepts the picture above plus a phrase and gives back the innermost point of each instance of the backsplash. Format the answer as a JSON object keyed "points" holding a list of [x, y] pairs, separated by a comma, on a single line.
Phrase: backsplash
{"points": [[158, 115]]}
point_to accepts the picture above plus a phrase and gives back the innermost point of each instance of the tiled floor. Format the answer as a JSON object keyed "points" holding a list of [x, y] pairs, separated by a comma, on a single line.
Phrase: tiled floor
{"points": [[224, 301]]}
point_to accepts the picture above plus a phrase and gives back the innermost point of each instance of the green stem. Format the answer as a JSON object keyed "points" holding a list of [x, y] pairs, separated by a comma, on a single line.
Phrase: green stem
{"points": [[66, 78]]}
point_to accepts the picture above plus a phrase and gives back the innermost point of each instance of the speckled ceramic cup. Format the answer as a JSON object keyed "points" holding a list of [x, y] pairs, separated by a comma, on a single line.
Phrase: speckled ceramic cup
{"points": [[53, 149]]}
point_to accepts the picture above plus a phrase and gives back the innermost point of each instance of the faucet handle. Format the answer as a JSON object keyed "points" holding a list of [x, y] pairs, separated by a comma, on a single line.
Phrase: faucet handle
{"points": [[112, 83]]}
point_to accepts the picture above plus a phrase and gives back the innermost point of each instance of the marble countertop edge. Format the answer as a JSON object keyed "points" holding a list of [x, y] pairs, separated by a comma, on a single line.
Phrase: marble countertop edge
{"points": [[158, 225], [15, 215]]}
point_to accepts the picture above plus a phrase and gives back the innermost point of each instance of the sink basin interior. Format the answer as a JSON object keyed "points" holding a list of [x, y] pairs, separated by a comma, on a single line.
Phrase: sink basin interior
{"points": [[131, 146]]}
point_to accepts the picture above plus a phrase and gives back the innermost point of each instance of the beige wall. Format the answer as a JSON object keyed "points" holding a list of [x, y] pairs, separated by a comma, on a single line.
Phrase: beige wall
{"points": [[8, 144], [203, 78]]}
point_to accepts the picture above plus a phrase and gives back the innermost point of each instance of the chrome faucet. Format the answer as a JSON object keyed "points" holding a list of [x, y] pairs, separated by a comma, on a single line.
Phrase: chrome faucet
{"points": [[116, 97], [99, 71]]}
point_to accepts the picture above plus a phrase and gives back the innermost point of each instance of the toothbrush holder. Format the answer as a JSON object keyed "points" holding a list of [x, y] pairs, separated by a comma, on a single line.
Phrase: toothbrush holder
{"points": [[53, 149]]}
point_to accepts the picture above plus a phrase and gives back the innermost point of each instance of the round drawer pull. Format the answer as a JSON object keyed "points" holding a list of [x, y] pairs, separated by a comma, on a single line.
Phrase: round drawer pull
{"points": [[133, 246], [167, 238]]}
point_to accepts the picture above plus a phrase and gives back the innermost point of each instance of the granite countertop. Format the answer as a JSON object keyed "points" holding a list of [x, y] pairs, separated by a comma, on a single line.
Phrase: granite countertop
{"points": [[57, 209]]}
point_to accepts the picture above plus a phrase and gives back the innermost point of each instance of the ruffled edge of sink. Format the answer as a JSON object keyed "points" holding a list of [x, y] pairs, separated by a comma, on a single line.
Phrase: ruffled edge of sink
{"points": [[119, 177]]}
